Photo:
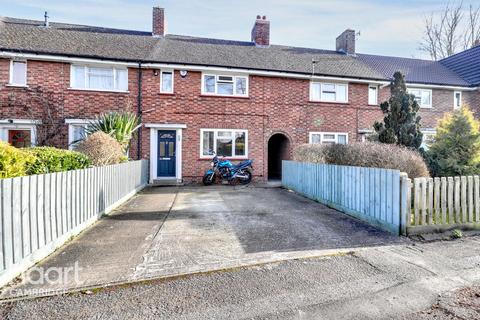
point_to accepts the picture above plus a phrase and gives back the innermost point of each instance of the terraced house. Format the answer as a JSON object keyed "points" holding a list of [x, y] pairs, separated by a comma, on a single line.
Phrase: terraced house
{"points": [[241, 99]]}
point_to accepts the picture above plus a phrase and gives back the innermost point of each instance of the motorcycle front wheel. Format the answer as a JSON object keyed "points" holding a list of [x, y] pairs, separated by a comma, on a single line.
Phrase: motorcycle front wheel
{"points": [[208, 179]]}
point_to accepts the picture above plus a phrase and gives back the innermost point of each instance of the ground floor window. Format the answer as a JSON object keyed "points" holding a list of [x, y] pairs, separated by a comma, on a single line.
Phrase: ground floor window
{"points": [[428, 138], [76, 130], [18, 133], [328, 137], [224, 142]]}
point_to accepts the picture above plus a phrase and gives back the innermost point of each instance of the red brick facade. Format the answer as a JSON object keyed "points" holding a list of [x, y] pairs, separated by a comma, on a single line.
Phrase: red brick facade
{"points": [[275, 105]]}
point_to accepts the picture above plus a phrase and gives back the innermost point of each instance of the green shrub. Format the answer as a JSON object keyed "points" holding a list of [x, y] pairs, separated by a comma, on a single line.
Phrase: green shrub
{"points": [[49, 159], [456, 148], [119, 125], [13, 161], [365, 154], [101, 149]]}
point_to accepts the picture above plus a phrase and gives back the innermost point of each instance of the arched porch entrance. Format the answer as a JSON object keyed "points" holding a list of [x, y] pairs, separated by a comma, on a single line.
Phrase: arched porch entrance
{"points": [[278, 150]]}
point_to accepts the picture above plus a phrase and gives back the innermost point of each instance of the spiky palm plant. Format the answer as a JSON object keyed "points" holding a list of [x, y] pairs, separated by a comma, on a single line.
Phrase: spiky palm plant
{"points": [[119, 125]]}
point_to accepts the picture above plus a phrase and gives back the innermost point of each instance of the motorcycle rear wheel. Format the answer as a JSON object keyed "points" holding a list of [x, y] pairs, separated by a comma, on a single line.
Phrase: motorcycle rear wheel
{"points": [[248, 180]]}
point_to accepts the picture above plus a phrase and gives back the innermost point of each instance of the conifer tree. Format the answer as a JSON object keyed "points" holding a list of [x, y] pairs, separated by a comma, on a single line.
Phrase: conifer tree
{"points": [[400, 125]]}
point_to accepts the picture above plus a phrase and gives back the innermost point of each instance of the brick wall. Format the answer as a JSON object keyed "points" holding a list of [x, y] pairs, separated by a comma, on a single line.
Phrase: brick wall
{"points": [[274, 105]]}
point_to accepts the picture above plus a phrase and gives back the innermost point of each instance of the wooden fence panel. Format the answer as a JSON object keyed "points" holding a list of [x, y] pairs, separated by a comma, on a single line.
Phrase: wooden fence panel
{"points": [[39, 213], [370, 194]]}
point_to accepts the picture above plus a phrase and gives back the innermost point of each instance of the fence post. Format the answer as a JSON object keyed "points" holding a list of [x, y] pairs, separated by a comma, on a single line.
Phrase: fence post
{"points": [[405, 203]]}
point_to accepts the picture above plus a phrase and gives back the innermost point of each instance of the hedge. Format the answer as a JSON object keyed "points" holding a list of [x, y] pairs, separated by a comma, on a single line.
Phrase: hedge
{"points": [[15, 162]]}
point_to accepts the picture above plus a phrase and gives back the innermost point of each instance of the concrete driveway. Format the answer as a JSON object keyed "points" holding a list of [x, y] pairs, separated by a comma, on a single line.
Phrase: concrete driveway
{"points": [[173, 231]]}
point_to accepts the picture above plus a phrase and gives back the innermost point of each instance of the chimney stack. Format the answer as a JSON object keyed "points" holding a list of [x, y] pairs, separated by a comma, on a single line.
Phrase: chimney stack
{"points": [[158, 22], [261, 32], [346, 42]]}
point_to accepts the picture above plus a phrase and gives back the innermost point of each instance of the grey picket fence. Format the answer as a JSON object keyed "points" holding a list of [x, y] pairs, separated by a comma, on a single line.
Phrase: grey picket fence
{"points": [[41, 212], [376, 196]]}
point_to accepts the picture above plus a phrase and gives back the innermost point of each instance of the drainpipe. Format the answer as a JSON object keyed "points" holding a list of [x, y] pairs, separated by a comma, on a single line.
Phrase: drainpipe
{"points": [[139, 111]]}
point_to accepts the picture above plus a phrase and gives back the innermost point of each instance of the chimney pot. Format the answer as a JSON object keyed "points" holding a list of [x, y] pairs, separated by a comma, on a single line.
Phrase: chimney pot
{"points": [[346, 42], [158, 22], [261, 31]]}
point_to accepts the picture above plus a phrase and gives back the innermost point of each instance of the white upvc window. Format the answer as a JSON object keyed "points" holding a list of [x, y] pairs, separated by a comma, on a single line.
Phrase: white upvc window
{"points": [[19, 133], [457, 100], [329, 92], [76, 130], [422, 96], [166, 81], [225, 85], [18, 73], [373, 95], [231, 143], [428, 138], [101, 78], [328, 137]]}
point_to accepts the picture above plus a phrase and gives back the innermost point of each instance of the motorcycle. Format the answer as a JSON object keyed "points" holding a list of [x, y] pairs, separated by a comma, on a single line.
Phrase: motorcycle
{"points": [[227, 171]]}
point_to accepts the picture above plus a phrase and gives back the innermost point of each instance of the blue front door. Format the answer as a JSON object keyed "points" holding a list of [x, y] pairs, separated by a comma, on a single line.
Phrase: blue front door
{"points": [[166, 154]]}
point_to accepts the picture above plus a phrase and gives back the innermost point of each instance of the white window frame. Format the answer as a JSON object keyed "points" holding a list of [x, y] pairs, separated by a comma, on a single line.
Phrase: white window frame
{"points": [[429, 132], [10, 80], [19, 124], [86, 67], [322, 134], [215, 135], [423, 106], [161, 80], [455, 107], [312, 83], [216, 85], [75, 123], [376, 94]]}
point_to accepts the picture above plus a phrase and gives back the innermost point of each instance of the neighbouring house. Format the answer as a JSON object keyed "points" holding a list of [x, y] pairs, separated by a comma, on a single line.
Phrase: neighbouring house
{"points": [[242, 99]]}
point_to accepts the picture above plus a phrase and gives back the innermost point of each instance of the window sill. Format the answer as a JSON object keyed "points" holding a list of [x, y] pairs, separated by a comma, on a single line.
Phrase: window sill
{"points": [[329, 102], [98, 90], [430, 107], [223, 96], [167, 93], [11, 85], [224, 158]]}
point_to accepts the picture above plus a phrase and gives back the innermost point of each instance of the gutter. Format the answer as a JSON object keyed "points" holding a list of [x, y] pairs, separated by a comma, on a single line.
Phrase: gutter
{"points": [[139, 111]]}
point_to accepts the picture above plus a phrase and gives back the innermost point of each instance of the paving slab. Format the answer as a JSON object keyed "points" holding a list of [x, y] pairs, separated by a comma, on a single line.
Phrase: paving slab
{"points": [[167, 231]]}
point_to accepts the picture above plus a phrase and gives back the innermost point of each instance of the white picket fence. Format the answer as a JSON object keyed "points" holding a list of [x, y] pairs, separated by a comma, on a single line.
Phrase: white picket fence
{"points": [[444, 203], [39, 213]]}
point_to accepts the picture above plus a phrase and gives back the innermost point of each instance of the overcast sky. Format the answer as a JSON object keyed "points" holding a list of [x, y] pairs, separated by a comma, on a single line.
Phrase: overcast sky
{"points": [[389, 27]]}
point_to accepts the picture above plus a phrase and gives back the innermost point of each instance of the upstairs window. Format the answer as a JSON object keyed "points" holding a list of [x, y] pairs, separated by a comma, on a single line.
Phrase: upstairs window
{"points": [[373, 95], [99, 78], [328, 92], [457, 100], [224, 142], [166, 82], [18, 73], [225, 85], [328, 138], [422, 96]]}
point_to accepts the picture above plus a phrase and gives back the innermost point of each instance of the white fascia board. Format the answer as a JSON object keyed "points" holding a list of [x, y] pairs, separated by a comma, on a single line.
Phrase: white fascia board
{"points": [[165, 125], [258, 72], [437, 86], [53, 58]]}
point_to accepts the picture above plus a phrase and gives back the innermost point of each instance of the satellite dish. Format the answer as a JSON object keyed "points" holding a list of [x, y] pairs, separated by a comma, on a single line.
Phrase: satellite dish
{"points": [[183, 73]]}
